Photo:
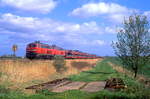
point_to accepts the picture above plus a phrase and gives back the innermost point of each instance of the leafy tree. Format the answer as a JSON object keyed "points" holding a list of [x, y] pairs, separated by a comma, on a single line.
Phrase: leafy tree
{"points": [[59, 63], [133, 45]]}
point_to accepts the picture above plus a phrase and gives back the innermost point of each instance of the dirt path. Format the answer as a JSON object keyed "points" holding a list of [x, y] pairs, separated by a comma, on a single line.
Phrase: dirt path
{"points": [[139, 77], [61, 85]]}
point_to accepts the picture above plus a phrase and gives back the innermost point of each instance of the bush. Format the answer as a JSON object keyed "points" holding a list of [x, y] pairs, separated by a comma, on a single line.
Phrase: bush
{"points": [[3, 89], [59, 63]]}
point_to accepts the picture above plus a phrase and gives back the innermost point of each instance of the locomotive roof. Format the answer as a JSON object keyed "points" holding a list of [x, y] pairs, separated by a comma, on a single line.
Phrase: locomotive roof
{"points": [[51, 46]]}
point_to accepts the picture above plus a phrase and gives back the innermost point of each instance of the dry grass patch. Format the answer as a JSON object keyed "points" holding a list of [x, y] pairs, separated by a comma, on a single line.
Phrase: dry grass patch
{"points": [[23, 72]]}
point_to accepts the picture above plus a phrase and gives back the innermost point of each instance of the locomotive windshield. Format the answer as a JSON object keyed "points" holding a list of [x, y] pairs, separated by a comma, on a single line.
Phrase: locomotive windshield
{"points": [[32, 45]]}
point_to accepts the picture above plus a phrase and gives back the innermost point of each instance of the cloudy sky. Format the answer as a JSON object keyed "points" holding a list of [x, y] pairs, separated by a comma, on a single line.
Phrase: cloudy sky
{"points": [[86, 25]]}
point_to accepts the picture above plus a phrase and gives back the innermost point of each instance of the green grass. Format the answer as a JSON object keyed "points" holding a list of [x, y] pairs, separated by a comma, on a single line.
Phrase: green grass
{"points": [[101, 72], [144, 70], [74, 94]]}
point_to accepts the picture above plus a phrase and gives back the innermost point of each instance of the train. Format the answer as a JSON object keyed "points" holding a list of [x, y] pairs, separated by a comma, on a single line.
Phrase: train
{"points": [[38, 50]]}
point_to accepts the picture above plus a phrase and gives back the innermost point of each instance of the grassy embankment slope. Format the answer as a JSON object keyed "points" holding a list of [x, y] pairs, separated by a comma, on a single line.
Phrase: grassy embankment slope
{"points": [[102, 71], [144, 70]]}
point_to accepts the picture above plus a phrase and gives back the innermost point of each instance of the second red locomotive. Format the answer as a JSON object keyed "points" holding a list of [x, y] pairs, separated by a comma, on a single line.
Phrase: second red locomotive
{"points": [[37, 50]]}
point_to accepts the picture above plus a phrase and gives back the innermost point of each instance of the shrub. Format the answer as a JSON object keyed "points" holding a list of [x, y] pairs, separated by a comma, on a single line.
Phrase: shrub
{"points": [[3, 89], [59, 63]]}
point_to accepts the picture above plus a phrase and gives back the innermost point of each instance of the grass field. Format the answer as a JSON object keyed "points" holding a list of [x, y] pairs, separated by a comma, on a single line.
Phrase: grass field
{"points": [[102, 71], [145, 70]]}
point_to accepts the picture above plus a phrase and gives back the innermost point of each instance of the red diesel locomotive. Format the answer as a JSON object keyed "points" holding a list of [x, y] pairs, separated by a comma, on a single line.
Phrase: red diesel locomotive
{"points": [[39, 50]]}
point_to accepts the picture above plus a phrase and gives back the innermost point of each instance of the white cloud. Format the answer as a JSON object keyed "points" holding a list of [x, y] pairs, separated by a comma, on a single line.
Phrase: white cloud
{"points": [[93, 42], [47, 29], [147, 13], [94, 9], [111, 30], [3, 31], [79, 40], [51, 26], [117, 18], [99, 42], [40, 6], [112, 11]]}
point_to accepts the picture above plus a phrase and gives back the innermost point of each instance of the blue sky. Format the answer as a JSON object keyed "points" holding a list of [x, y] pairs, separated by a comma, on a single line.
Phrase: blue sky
{"points": [[86, 25]]}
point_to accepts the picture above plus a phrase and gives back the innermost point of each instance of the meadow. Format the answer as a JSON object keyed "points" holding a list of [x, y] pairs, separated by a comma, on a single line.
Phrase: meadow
{"points": [[101, 72]]}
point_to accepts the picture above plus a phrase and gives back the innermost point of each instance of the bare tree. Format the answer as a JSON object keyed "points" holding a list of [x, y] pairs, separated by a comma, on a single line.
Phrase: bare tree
{"points": [[133, 45], [14, 49]]}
